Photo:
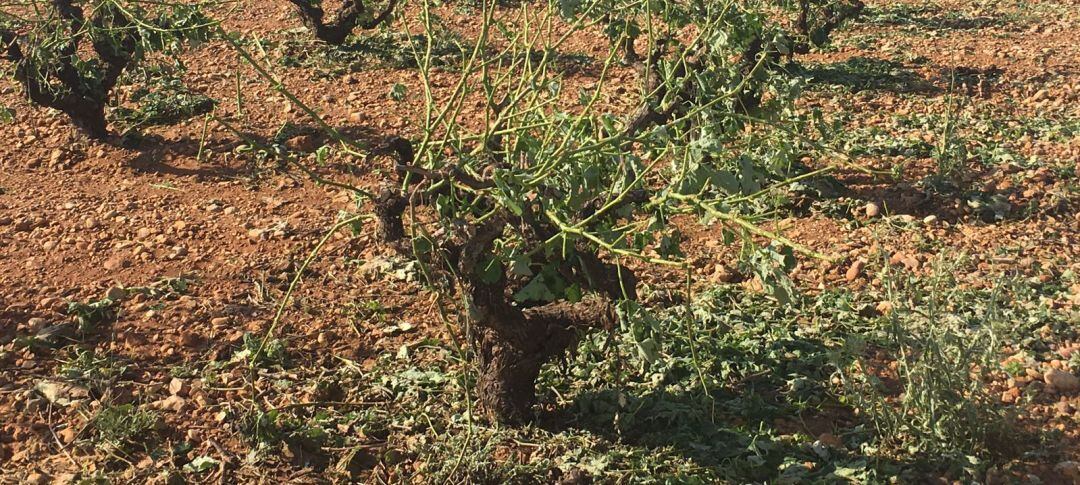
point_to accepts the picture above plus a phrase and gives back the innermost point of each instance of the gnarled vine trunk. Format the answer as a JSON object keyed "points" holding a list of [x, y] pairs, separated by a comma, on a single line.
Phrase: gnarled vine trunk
{"points": [[351, 15], [512, 345], [61, 85]]}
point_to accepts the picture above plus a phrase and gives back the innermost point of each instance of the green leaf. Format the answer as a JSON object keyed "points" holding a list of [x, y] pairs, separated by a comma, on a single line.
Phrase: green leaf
{"points": [[573, 293], [201, 464], [490, 271], [536, 290], [398, 92]]}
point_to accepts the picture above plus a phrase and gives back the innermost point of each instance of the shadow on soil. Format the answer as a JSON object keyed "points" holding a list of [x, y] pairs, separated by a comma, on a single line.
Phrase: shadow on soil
{"points": [[774, 418], [181, 157], [934, 18], [866, 73]]}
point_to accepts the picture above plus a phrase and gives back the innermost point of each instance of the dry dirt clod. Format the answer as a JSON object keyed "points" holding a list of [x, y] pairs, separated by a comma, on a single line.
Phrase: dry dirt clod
{"points": [[1062, 381], [116, 293], [177, 387], [872, 209], [855, 270]]}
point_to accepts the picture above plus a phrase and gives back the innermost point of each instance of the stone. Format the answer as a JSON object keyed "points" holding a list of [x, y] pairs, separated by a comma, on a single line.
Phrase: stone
{"points": [[1062, 381], [172, 403], [116, 262], [189, 339], [830, 440], [116, 293], [34, 325], [178, 387], [855, 270], [872, 209], [61, 393], [67, 435], [722, 274], [36, 478], [1069, 470]]}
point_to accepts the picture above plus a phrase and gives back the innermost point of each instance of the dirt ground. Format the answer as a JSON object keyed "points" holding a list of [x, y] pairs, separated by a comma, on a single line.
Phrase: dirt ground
{"points": [[211, 239]]}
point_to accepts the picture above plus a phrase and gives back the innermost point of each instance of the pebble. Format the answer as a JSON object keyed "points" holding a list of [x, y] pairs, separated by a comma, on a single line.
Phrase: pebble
{"points": [[177, 387], [1062, 381], [1069, 470], [872, 209], [855, 270]]}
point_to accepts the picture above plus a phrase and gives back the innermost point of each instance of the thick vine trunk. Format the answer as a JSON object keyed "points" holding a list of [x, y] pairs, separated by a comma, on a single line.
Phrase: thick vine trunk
{"points": [[60, 85], [350, 16], [512, 345]]}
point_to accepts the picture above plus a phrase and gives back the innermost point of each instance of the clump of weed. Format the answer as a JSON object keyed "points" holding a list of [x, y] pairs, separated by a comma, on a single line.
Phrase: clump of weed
{"points": [[162, 99], [91, 369], [383, 49], [125, 426], [925, 390], [90, 314], [261, 352]]}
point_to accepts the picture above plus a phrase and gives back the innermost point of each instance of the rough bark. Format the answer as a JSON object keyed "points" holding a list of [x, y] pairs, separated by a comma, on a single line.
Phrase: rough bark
{"points": [[349, 17], [389, 206], [61, 86], [512, 345], [833, 17], [511, 342]]}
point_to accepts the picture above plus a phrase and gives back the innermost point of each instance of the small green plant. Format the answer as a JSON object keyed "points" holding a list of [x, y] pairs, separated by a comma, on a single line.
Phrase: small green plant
{"points": [[162, 100], [125, 427], [92, 313], [951, 153], [261, 352], [942, 356]]}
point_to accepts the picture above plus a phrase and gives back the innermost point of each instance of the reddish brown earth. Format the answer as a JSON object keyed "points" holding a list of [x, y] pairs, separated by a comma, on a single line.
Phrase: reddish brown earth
{"points": [[79, 217]]}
